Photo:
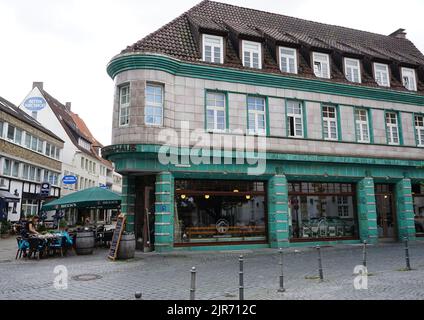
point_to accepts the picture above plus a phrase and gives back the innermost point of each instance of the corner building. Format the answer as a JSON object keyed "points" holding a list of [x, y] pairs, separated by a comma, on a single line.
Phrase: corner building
{"points": [[341, 110]]}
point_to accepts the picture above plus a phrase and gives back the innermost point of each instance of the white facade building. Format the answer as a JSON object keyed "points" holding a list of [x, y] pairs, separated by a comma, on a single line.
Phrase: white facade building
{"points": [[81, 153]]}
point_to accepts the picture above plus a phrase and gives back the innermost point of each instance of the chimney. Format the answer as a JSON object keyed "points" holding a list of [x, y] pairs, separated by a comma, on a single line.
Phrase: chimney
{"points": [[400, 34], [68, 106], [38, 85]]}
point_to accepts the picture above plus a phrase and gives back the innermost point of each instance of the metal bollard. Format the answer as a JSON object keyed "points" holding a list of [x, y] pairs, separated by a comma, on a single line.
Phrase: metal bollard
{"points": [[138, 295], [321, 274], [408, 264], [281, 289], [364, 254], [193, 284], [241, 282]]}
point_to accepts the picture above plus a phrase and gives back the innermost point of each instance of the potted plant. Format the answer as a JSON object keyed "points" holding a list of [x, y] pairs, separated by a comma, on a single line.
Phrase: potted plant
{"points": [[5, 229], [63, 224]]}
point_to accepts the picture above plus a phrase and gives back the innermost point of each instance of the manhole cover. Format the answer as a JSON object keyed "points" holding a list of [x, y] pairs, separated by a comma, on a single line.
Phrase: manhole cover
{"points": [[86, 277]]}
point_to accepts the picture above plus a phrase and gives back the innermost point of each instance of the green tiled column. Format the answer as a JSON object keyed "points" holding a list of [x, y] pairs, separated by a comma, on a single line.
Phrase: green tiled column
{"points": [[278, 226], [164, 212], [128, 201], [367, 211], [405, 210]]}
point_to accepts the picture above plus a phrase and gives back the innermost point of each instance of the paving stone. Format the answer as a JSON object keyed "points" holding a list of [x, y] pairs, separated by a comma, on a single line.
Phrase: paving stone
{"points": [[167, 276]]}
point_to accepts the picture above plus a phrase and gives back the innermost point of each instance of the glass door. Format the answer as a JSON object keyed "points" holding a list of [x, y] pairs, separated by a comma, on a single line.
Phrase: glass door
{"points": [[386, 214]]}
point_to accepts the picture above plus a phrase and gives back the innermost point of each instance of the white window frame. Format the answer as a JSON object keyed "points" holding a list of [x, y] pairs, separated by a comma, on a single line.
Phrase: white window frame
{"points": [[343, 206], [256, 114], [296, 117], [124, 106], [287, 57], [329, 121], [215, 110], [419, 130], [249, 48], [154, 104], [359, 124], [318, 57], [392, 128], [412, 78], [378, 74], [352, 69], [205, 38]]}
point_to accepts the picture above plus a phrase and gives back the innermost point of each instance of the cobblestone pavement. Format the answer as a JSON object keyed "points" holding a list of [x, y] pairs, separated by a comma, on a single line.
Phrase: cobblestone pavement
{"points": [[167, 276]]}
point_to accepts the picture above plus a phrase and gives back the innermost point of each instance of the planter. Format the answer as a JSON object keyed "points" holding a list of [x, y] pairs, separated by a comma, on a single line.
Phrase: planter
{"points": [[126, 246], [84, 242]]}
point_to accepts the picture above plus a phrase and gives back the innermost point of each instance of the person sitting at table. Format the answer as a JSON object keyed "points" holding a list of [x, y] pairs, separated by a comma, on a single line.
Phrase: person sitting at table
{"points": [[32, 226]]}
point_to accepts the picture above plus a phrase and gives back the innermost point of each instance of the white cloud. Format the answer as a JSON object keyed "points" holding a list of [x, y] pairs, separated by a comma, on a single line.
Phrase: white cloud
{"points": [[67, 44]]}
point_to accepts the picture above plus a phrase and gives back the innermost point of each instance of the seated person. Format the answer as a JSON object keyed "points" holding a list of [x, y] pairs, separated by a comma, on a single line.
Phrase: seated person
{"points": [[32, 226]]}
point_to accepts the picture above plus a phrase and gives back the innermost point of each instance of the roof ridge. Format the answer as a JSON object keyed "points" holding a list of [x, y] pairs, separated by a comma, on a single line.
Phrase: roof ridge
{"points": [[305, 20], [184, 14]]}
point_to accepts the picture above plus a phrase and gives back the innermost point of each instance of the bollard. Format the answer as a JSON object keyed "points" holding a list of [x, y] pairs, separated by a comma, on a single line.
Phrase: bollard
{"points": [[408, 264], [281, 289], [321, 274], [138, 295], [241, 282], [193, 284], [364, 254]]}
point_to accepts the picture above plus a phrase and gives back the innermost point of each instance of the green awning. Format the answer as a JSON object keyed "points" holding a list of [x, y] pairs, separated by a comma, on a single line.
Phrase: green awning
{"points": [[92, 198]]}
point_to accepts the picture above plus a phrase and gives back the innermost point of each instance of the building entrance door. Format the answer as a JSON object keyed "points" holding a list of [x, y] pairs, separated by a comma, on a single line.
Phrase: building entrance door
{"points": [[386, 213]]}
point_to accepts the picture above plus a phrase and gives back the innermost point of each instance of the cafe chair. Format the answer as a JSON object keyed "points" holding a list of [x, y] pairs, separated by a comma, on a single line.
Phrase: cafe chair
{"points": [[36, 248], [23, 245], [57, 245]]}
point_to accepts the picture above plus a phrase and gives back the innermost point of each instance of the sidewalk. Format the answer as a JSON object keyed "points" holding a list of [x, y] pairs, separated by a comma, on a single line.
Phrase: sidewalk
{"points": [[167, 276]]}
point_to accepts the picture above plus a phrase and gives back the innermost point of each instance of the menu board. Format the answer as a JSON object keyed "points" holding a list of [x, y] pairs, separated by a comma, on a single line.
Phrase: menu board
{"points": [[116, 239]]}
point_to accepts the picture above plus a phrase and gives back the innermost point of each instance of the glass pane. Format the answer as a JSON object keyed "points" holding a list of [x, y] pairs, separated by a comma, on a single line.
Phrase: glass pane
{"points": [[207, 216]]}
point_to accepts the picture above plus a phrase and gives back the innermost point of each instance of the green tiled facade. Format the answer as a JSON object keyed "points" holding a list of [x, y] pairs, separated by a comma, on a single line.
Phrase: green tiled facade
{"points": [[277, 176], [405, 209]]}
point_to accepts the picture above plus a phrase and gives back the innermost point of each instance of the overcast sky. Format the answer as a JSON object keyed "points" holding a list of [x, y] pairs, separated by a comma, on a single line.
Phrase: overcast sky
{"points": [[67, 43]]}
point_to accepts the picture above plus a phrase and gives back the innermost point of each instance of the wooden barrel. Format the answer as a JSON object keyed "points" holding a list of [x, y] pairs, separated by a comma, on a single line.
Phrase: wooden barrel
{"points": [[84, 242], [126, 248]]}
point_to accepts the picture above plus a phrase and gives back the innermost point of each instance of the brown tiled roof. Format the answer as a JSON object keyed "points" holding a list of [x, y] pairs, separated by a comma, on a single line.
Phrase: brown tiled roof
{"points": [[9, 108], [180, 40], [81, 125], [66, 120]]}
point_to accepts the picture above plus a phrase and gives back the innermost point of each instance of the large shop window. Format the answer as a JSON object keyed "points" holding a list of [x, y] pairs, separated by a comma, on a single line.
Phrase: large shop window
{"points": [[322, 211], [418, 195], [209, 211]]}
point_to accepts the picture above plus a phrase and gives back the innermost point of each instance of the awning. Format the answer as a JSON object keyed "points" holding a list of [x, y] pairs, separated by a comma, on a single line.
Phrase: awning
{"points": [[92, 198], [8, 197]]}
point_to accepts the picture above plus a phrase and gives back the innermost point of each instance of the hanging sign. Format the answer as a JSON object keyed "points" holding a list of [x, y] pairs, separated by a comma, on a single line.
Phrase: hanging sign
{"points": [[69, 180]]}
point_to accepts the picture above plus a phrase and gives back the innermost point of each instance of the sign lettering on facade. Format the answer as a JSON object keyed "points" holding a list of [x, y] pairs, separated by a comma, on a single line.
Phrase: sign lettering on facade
{"points": [[35, 103]]}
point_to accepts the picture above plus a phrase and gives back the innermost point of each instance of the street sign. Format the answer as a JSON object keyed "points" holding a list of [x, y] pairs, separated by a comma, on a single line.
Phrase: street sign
{"points": [[69, 180], [45, 189]]}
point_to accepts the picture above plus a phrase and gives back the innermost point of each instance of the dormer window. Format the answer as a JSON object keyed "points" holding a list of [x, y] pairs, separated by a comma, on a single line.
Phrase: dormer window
{"points": [[252, 54], [381, 74], [288, 60], [353, 70], [84, 144], [213, 49], [408, 79], [321, 65]]}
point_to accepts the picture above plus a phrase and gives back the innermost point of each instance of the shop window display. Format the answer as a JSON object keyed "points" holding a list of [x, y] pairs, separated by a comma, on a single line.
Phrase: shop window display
{"points": [[418, 196], [219, 212], [322, 211]]}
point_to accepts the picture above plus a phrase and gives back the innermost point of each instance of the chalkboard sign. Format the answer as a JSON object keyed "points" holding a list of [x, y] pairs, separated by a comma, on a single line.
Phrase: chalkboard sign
{"points": [[116, 239]]}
